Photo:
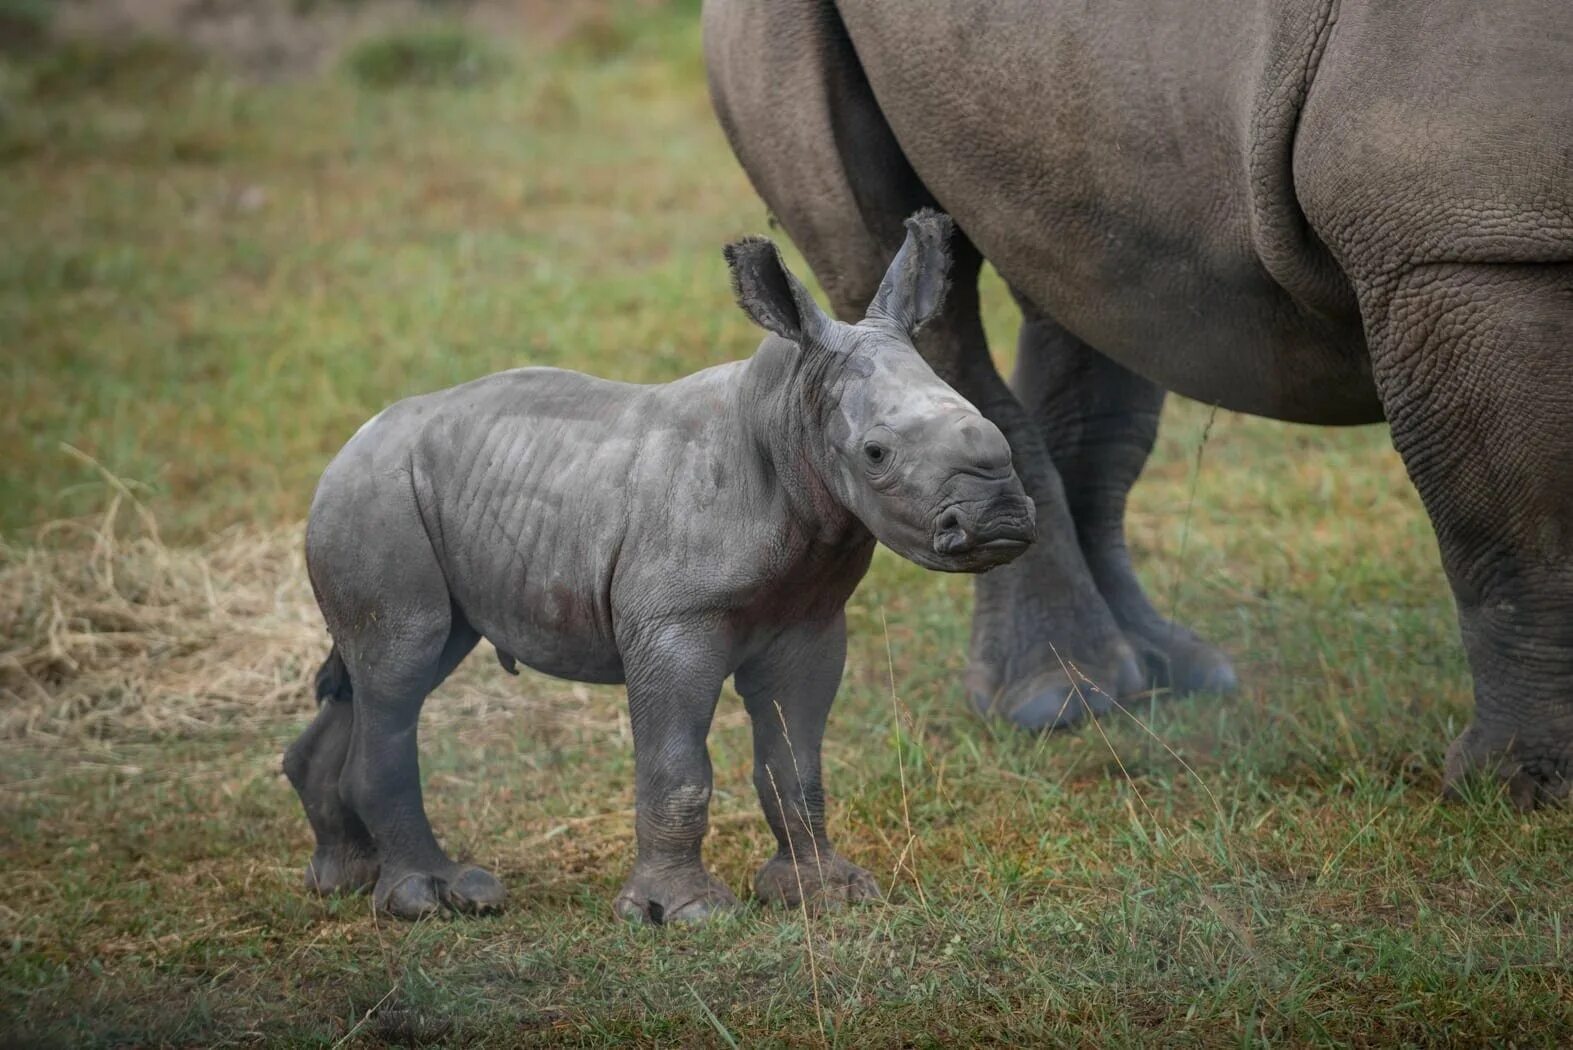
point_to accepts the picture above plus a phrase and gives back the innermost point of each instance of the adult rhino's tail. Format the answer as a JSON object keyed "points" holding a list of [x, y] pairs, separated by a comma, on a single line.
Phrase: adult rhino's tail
{"points": [[333, 678]]}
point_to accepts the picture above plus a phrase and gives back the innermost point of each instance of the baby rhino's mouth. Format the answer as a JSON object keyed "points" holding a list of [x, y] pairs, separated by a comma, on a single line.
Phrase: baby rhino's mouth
{"points": [[983, 534]]}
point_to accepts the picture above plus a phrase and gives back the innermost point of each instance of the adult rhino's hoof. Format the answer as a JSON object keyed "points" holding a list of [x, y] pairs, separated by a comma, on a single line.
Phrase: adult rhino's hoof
{"points": [[412, 895], [331, 871], [418, 895], [1062, 696], [472, 891], [1533, 776], [673, 897], [824, 882], [1185, 664]]}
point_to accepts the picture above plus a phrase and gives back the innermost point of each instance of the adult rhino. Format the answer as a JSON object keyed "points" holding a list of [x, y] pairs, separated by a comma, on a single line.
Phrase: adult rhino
{"points": [[1309, 210]]}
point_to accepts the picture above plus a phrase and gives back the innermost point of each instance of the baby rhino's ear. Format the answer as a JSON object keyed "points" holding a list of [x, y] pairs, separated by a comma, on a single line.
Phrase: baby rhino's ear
{"points": [[914, 287], [767, 292]]}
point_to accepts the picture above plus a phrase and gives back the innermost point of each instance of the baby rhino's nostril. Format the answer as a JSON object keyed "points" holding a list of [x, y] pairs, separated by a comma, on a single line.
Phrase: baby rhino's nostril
{"points": [[950, 521]]}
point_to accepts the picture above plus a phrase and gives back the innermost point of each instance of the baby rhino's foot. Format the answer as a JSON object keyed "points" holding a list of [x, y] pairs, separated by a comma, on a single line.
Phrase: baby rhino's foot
{"points": [[418, 894], [660, 896], [825, 881], [344, 869]]}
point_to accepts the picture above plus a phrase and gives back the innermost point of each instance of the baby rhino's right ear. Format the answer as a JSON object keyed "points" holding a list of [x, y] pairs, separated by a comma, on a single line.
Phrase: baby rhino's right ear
{"points": [[767, 292]]}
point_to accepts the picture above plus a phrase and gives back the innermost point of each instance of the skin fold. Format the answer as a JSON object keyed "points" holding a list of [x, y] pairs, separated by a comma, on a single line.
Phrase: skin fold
{"points": [[1327, 211], [666, 537]]}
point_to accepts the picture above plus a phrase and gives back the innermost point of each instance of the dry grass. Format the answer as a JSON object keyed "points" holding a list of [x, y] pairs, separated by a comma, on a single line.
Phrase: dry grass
{"points": [[111, 634]]}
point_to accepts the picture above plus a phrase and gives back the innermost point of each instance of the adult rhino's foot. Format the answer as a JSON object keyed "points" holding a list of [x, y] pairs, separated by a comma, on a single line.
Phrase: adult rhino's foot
{"points": [[1178, 660], [824, 882], [659, 896], [1065, 694], [1046, 650], [420, 894], [343, 869], [1058, 696], [1536, 768]]}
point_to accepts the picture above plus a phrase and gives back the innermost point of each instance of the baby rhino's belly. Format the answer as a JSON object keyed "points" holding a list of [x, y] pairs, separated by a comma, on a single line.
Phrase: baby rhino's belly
{"points": [[557, 633], [539, 596]]}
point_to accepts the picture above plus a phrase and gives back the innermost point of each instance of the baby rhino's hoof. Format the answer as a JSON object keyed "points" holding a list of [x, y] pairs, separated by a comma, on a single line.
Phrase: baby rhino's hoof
{"points": [[663, 897], [825, 882], [418, 894]]}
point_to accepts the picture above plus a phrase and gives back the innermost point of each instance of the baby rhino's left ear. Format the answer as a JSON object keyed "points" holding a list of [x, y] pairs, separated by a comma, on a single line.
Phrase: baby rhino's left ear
{"points": [[767, 292], [914, 287]]}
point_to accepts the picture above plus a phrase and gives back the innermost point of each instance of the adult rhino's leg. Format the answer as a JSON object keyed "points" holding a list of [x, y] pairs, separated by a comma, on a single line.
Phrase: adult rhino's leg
{"points": [[1098, 422], [788, 691], [1475, 367], [1046, 647], [799, 114]]}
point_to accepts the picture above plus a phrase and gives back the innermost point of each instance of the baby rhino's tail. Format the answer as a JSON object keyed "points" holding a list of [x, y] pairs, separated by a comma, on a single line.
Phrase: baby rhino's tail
{"points": [[333, 678]]}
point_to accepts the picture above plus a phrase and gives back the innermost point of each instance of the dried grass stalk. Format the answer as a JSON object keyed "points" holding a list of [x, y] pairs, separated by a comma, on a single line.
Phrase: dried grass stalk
{"points": [[107, 634]]}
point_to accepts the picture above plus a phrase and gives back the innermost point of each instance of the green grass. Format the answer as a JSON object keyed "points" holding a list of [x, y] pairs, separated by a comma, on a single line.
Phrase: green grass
{"points": [[208, 285], [437, 56]]}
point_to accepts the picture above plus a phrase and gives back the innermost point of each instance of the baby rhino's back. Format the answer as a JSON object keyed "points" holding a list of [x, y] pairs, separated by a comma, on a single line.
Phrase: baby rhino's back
{"points": [[518, 478]]}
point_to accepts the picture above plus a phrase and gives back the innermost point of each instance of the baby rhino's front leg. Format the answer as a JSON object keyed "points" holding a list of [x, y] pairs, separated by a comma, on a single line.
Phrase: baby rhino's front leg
{"points": [[788, 691], [674, 677]]}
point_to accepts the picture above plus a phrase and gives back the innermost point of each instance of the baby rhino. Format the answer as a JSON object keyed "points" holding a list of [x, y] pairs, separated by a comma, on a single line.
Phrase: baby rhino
{"points": [[661, 536]]}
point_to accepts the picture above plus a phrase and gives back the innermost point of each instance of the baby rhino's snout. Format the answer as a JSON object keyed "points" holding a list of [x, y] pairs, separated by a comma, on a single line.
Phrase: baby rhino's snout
{"points": [[987, 519]]}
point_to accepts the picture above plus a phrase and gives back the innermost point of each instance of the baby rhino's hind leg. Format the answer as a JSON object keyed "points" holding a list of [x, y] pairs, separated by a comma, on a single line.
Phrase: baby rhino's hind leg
{"points": [[345, 859], [387, 605], [381, 777]]}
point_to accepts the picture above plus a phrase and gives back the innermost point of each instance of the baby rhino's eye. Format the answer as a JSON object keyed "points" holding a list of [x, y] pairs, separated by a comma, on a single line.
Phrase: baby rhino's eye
{"points": [[875, 452]]}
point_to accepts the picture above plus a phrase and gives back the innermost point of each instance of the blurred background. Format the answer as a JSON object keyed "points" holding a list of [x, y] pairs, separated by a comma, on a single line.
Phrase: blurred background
{"points": [[236, 228]]}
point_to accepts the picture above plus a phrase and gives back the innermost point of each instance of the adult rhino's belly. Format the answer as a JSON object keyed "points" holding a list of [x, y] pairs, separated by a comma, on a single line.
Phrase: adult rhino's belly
{"points": [[1203, 331], [1163, 279], [1100, 158]]}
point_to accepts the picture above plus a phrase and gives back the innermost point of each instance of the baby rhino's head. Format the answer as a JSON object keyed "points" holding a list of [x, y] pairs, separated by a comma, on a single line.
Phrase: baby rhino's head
{"points": [[910, 457]]}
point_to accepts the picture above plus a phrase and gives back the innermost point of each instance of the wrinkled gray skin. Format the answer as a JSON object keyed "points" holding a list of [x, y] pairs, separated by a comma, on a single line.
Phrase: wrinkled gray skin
{"points": [[663, 536], [1313, 211]]}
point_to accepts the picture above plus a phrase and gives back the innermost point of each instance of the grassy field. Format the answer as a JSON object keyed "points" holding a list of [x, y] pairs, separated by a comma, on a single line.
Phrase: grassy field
{"points": [[206, 285]]}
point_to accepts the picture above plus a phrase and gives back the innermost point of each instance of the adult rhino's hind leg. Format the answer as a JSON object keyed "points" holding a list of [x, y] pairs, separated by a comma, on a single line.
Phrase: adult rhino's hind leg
{"points": [[1046, 648], [1099, 422], [1475, 368]]}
